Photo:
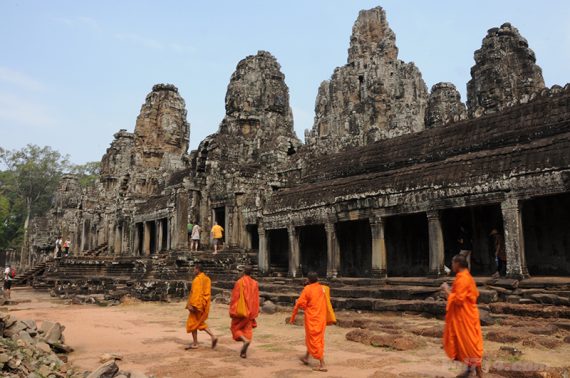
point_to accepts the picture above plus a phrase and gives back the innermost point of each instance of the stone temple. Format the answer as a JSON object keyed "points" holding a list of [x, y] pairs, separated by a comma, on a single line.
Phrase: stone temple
{"points": [[373, 199]]}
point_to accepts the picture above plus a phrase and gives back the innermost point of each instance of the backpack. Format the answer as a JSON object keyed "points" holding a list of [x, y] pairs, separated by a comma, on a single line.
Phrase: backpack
{"points": [[13, 273]]}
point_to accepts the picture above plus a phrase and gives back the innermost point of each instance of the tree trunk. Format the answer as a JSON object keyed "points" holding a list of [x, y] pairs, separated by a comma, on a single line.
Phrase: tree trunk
{"points": [[25, 252]]}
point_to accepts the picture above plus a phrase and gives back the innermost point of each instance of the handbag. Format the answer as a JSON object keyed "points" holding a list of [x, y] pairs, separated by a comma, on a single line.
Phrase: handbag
{"points": [[241, 310], [331, 317]]}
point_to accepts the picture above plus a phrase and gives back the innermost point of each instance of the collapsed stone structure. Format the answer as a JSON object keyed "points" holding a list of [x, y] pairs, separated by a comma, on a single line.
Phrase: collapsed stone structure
{"points": [[387, 175]]}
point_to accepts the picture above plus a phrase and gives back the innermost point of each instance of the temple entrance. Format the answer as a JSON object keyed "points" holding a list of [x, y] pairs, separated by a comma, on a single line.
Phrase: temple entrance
{"points": [[220, 217], [475, 224], [278, 242], [164, 234], [253, 235], [355, 241], [152, 234], [407, 245], [546, 227], [313, 249]]}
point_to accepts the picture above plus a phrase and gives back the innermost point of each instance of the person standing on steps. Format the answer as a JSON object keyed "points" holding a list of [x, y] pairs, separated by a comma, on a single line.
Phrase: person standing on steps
{"points": [[462, 337], [66, 247], [58, 246], [217, 233], [500, 253], [195, 244], [244, 309], [198, 307], [189, 228]]}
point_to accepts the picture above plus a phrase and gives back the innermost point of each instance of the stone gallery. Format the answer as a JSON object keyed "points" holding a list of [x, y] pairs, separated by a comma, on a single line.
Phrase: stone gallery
{"points": [[386, 180]]}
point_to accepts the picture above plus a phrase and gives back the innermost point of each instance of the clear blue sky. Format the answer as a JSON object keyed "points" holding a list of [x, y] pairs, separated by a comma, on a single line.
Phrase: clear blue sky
{"points": [[72, 73]]}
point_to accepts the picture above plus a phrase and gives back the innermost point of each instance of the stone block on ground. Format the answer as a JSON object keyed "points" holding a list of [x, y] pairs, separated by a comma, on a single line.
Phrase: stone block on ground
{"points": [[269, 308], [359, 335], [107, 370]]}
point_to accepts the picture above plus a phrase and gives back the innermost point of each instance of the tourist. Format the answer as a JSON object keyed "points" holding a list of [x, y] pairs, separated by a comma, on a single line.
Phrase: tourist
{"points": [[244, 308], [66, 247], [315, 302], [9, 275], [198, 307], [195, 244], [465, 245], [500, 253], [189, 228], [217, 234], [462, 338], [58, 246]]}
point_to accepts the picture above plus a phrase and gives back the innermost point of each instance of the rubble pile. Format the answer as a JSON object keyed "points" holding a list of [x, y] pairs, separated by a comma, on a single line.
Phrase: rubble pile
{"points": [[32, 351]]}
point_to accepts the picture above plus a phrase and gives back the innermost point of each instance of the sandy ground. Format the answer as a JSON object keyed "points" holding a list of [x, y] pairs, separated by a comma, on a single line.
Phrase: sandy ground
{"points": [[151, 338]]}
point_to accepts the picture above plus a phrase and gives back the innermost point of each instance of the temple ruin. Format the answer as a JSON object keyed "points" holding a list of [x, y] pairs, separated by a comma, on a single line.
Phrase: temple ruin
{"points": [[378, 190]]}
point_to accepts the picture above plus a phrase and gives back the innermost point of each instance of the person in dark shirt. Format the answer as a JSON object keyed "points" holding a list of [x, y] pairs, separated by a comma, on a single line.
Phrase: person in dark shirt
{"points": [[465, 245]]}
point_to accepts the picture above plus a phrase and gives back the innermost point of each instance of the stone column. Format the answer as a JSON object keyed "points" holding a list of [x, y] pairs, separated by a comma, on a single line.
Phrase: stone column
{"points": [[379, 259], [436, 246], [294, 255], [333, 251], [158, 228], [118, 240], [514, 239], [180, 236], [263, 254], [146, 239], [136, 240]]}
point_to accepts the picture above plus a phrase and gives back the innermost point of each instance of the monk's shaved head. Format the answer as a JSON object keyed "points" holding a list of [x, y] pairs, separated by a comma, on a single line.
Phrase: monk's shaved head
{"points": [[248, 269], [198, 267], [461, 261], [312, 277]]}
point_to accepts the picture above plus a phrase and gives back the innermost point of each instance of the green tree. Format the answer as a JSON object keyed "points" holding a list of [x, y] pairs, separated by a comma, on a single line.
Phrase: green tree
{"points": [[36, 172], [86, 173]]}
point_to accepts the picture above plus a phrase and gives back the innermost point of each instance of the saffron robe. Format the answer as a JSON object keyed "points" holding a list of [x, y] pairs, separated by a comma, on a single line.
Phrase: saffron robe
{"points": [[462, 337], [313, 301], [200, 300], [244, 326]]}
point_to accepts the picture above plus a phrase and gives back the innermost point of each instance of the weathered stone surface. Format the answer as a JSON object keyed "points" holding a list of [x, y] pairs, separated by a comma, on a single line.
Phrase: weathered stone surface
{"points": [[374, 96], [360, 336], [502, 337], [505, 72], [107, 370], [268, 307], [444, 106]]}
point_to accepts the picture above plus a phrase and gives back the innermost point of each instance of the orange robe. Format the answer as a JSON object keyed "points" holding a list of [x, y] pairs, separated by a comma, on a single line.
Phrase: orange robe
{"points": [[313, 301], [244, 326], [462, 337], [200, 299]]}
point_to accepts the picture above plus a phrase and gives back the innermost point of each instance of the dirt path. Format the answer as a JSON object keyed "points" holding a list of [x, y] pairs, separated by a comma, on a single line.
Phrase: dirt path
{"points": [[151, 338]]}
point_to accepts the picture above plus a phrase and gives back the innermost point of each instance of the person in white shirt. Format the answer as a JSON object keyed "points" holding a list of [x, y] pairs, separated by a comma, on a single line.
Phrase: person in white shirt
{"points": [[7, 281]]}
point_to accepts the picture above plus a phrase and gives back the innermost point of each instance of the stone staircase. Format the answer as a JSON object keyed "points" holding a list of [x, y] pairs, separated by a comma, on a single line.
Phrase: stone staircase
{"points": [[27, 276], [100, 249]]}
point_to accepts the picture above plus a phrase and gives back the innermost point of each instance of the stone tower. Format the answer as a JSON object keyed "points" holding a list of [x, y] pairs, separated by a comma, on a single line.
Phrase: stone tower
{"points": [[374, 96], [444, 105], [161, 131], [505, 71], [258, 116]]}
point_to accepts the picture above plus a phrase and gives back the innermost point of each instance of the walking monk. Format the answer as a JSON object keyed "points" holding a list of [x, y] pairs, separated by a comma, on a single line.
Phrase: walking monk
{"points": [[314, 301], [462, 338], [244, 308], [199, 307]]}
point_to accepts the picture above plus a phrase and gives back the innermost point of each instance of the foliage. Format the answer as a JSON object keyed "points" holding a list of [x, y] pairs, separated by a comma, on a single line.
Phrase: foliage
{"points": [[30, 179], [86, 173]]}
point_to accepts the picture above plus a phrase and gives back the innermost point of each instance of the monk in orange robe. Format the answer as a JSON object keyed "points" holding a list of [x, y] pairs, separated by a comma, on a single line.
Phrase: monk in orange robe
{"points": [[313, 300], [462, 337], [198, 307], [243, 322]]}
